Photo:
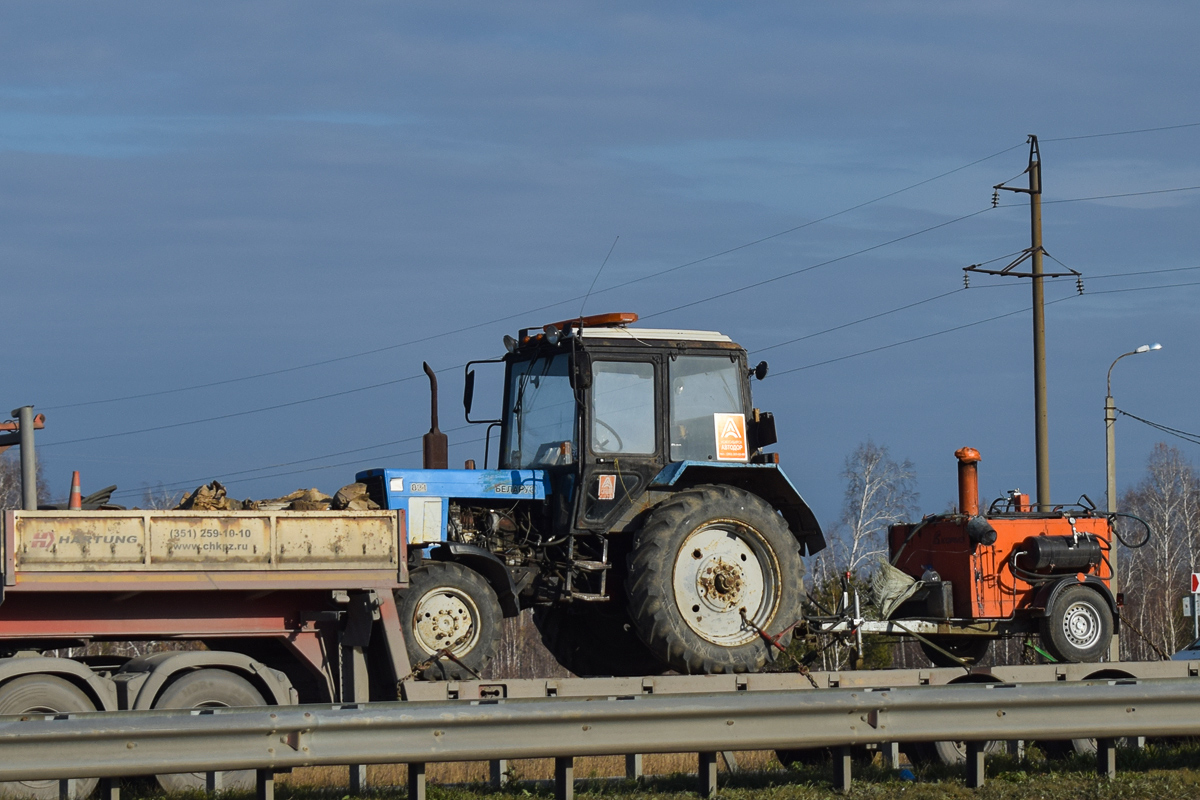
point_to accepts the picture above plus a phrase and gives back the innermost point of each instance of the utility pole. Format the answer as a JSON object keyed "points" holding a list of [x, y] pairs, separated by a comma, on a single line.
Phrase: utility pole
{"points": [[1037, 273]]}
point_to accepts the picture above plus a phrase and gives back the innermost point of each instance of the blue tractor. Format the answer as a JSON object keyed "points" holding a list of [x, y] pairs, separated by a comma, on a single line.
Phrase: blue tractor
{"points": [[632, 506]]}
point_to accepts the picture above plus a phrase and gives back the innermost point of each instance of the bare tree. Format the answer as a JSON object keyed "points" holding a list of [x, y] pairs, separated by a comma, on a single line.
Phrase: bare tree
{"points": [[10, 481], [159, 498], [879, 492], [1155, 577]]}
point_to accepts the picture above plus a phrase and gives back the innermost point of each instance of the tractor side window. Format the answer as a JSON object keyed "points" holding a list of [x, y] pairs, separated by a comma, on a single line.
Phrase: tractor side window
{"points": [[622, 407], [541, 414], [701, 386]]}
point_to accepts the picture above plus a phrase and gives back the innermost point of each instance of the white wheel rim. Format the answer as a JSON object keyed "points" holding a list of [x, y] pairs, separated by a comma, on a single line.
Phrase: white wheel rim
{"points": [[445, 618], [1081, 625], [721, 569]]}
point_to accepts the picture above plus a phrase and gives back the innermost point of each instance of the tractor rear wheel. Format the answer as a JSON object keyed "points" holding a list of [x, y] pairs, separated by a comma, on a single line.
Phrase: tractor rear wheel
{"points": [[1078, 626], [712, 570], [449, 610]]}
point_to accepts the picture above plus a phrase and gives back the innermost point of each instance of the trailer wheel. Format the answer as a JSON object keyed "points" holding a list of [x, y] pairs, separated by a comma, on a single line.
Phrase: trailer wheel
{"points": [[43, 694], [448, 607], [970, 649], [948, 753], [591, 642], [1078, 628], [712, 567], [209, 688]]}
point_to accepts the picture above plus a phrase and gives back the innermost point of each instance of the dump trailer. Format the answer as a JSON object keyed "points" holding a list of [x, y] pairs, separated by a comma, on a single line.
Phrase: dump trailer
{"points": [[292, 606]]}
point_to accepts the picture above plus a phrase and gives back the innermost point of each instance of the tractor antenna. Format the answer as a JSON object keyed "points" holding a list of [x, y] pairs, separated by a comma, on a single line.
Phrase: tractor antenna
{"points": [[593, 286]]}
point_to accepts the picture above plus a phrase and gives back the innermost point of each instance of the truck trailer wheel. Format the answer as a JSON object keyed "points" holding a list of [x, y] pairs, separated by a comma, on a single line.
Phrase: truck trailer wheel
{"points": [[1078, 627], [712, 567], [209, 688], [43, 694], [448, 607]]}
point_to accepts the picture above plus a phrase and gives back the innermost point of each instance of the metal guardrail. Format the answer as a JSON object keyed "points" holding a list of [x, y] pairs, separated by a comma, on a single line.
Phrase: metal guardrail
{"points": [[113, 744]]}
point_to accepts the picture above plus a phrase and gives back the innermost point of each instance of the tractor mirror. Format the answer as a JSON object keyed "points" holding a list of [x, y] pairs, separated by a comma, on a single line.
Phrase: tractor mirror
{"points": [[469, 391], [760, 371], [581, 372]]}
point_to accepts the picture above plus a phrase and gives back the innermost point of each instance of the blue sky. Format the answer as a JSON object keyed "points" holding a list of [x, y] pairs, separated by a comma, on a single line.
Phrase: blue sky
{"points": [[192, 195]]}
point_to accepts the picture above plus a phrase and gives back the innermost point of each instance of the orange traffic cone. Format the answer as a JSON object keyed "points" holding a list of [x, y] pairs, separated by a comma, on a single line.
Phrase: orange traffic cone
{"points": [[75, 503]]}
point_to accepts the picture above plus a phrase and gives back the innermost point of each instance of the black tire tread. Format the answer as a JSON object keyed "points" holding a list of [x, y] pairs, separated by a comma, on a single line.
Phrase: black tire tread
{"points": [[652, 606], [427, 578]]}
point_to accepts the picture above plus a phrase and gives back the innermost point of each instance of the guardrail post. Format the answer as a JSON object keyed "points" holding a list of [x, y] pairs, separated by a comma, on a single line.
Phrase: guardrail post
{"points": [[843, 762], [213, 782], [708, 774], [1106, 758], [564, 778], [1015, 747], [358, 778], [891, 754], [110, 789], [66, 788], [416, 782], [499, 772], [633, 766], [264, 785], [975, 764]]}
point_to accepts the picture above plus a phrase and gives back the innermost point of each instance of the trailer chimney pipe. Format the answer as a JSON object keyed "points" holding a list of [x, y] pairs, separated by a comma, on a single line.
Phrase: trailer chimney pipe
{"points": [[968, 480], [24, 416]]}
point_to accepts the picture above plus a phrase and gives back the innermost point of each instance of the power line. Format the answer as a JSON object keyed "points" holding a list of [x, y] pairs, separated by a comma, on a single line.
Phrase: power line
{"points": [[811, 267], [915, 339], [1194, 438], [386, 348], [1111, 196], [1124, 133], [231, 415], [224, 475]]}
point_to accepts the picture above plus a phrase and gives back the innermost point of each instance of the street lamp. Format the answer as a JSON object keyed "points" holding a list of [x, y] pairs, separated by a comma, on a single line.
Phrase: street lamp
{"points": [[1110, 448]]}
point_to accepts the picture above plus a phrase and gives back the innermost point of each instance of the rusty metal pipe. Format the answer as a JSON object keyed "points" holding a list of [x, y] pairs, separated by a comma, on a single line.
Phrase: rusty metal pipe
{"points": [[968, 480]]}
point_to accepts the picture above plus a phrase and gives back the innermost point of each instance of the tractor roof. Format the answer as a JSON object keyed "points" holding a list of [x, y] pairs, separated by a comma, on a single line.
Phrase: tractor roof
{"points": [[641, 334]]}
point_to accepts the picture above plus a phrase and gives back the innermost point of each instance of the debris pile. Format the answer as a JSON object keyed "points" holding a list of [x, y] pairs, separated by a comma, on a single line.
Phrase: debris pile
{"points": [[213, 497]]}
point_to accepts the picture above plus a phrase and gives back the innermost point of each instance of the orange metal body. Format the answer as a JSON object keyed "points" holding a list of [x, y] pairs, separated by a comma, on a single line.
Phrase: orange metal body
{"points": [[984, 587]]}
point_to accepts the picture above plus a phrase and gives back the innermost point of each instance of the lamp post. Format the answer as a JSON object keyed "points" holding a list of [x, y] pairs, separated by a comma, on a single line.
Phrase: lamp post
{"points": [[1110, 450]]}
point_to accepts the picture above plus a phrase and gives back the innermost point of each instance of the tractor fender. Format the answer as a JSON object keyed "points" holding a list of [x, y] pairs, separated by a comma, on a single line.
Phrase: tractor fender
{"points": [[1043, 601], [145, 677], [767, 481], [102, 691], [486, 564]]}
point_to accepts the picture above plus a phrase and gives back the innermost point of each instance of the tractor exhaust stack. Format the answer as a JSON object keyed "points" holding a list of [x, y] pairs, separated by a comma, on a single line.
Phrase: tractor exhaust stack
{"points": [[436, 446]]}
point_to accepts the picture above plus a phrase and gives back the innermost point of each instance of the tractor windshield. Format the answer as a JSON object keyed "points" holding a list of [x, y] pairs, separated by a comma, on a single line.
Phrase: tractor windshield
{"points": [[540, 414], [701, 388]]}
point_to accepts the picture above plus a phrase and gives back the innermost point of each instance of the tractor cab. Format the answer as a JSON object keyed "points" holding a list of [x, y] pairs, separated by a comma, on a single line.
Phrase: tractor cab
{"points": [[604, 409]]}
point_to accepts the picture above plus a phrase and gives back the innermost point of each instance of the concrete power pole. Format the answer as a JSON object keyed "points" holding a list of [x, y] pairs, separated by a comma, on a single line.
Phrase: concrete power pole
{"points": [[1034, 254]]}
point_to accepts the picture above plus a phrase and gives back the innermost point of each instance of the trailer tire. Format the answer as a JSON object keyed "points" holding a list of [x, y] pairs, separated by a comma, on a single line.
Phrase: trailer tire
{"points": [[1078, 627], [209, 688], [589, 642], [968, 649], [703, 557], [43, 694], [449, 605], [947, 753]]}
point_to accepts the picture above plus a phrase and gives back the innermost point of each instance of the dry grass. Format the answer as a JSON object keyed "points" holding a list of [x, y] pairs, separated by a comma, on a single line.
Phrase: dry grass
{"points": [[533, 769]]}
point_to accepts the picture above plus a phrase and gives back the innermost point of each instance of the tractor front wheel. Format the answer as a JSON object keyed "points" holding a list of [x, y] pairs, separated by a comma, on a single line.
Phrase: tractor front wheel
{"points": [[713, 569], [1078, 626], [451, 619]]}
